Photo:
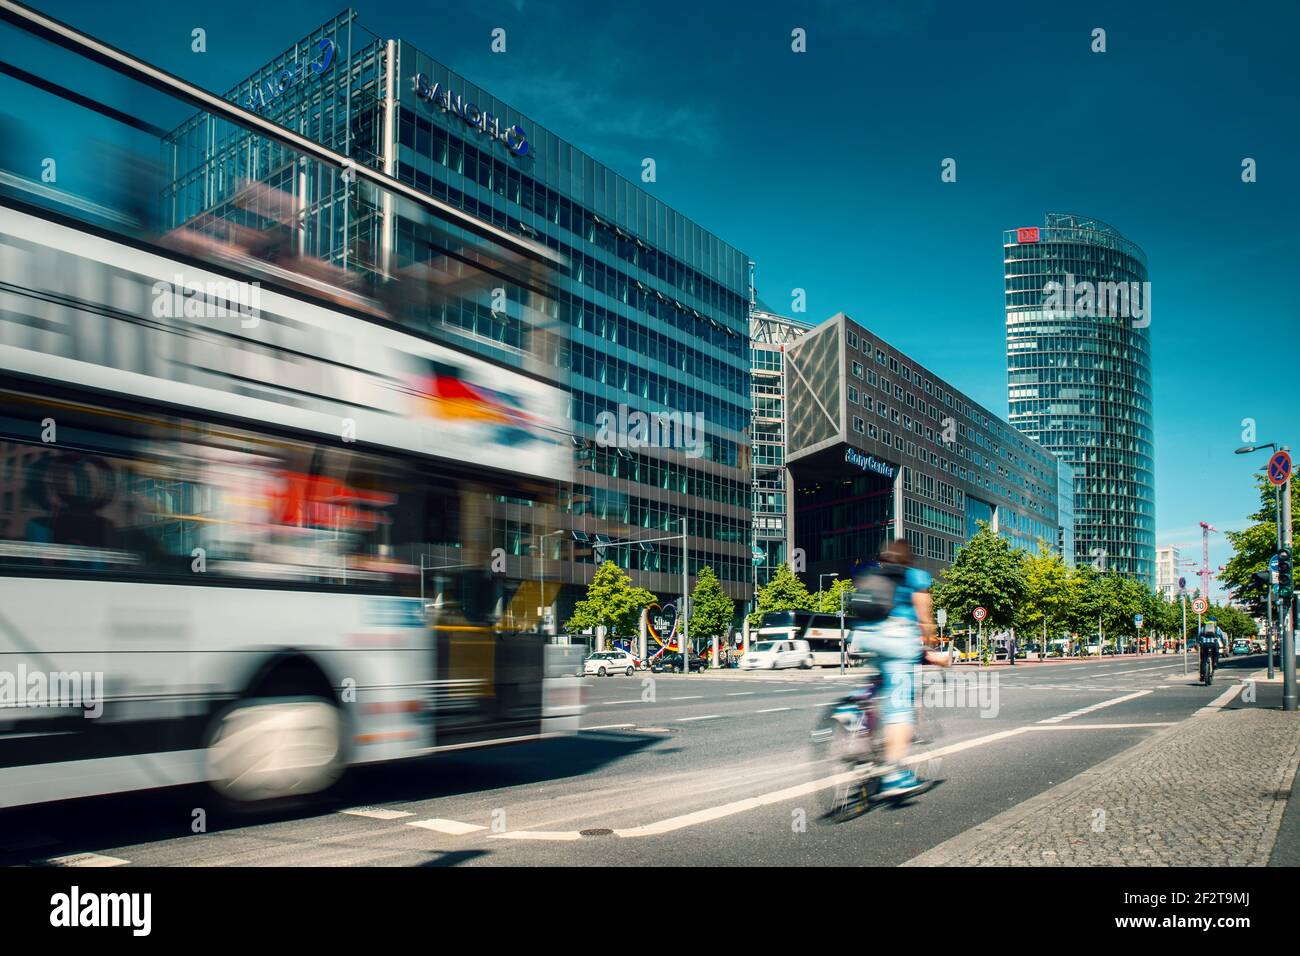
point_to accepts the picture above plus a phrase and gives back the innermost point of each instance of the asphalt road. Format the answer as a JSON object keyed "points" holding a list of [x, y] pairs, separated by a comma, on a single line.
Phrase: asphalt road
{"points": [[699, 769]]}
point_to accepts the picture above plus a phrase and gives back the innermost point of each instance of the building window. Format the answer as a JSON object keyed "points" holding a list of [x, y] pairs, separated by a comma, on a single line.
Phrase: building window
{"points": [[857, 370], [859, 425], [852, 339], [853, 395]]}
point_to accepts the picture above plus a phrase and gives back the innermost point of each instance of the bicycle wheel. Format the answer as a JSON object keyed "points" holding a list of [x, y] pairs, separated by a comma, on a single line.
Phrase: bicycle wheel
{"points": [[838, 748]]}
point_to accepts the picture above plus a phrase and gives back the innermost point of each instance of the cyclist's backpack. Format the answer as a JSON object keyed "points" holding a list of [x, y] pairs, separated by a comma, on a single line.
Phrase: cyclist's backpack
{"points": [[874, 601]]}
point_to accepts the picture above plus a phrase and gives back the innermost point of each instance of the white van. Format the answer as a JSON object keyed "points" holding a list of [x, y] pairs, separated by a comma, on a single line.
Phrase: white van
{"points": [[774, 655]]}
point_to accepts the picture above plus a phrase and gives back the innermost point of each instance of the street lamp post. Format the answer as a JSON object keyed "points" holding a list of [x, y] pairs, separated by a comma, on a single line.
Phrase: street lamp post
{"points": [[820, 578], [1286, 617]]}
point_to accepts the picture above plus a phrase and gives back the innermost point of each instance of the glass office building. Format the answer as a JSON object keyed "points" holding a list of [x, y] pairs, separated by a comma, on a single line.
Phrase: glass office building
{"points": [[1079, 377], [879, 447], [647, 319]]}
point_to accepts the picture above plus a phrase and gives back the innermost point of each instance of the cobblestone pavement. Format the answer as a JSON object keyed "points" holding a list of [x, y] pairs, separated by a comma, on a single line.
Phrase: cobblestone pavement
{"points": [[1209, 791]]}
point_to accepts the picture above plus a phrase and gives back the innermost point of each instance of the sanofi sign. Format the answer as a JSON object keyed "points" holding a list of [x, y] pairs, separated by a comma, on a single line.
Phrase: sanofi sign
{"points": [[868, 462], [261, 95], [512, 136]]}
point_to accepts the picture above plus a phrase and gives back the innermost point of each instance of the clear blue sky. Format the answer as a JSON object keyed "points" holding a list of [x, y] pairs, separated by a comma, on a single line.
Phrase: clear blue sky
{"points": [[824, 166]]}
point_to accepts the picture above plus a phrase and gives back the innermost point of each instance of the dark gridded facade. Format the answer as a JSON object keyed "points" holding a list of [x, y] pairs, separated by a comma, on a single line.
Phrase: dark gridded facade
{"points": [[1079, 377]]}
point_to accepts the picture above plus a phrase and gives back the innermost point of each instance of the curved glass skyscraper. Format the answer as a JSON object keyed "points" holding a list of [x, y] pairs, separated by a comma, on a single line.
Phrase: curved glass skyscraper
{"points": [[1078, 308]]}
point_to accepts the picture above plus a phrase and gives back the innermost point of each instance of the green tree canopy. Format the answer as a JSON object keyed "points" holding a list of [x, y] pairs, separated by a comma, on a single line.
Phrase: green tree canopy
{"points": [[785, 592], [1252, 548], [831, 596], [612, 601], [987, 573], [711, 611], [1050, 591]]}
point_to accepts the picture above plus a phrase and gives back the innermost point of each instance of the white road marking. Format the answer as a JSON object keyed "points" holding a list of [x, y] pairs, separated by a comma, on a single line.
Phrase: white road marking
{"points": [[598, 703], [1087, 710], [704, 717], [452, 827], [1164, 723], [772, 710], [741, 693], [1222, 700], [609, 727], [789, 793], [85, 859], [692, 697], [377, 813]]}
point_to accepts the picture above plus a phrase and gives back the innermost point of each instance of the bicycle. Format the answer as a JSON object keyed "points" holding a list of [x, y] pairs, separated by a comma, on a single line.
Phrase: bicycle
{"points": [[846, 740], [1207, 670]]}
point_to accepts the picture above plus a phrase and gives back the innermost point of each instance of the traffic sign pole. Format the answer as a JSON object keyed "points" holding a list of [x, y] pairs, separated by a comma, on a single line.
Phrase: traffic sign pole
{"points": [[1288, 601], [1184, 634]]}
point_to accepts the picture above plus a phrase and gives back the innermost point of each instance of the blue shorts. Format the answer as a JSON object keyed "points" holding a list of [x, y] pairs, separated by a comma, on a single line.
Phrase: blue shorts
{"points": [[896, 642]]}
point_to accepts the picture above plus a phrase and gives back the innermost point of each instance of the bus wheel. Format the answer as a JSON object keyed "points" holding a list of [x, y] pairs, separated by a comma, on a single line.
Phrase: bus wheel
{"points": [[285, 739], [275, 748]]}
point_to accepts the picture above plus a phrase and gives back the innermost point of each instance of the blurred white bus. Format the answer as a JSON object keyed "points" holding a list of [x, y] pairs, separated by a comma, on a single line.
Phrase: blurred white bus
{"points": [[252, 549], [821, 631]]}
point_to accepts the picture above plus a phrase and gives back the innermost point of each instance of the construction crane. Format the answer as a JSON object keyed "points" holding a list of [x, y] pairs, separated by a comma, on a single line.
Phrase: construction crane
{"points": [[1204, 574]]}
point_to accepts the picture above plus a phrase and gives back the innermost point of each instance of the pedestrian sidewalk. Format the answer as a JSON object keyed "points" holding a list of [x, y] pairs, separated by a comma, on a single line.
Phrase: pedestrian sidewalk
{"points": [[1209, 791]]}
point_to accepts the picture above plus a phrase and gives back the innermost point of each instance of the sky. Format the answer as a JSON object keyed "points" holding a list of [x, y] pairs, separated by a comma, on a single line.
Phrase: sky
{"points": [[824, 166]]}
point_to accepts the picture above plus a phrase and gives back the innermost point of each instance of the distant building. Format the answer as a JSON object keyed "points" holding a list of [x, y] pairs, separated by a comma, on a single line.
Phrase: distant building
{"points": [[1078, 311], [1167, 572]]}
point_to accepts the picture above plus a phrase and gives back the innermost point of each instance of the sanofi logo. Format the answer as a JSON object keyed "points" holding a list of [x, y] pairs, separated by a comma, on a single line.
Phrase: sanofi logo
{"points": [[268, 90], [512, 136]]}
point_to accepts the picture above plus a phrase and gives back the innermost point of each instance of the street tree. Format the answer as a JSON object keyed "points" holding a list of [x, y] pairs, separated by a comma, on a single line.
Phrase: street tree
{"points": [[1048, 596], [785, 592], [1252, 548], [612, 601], [988, 573], [711, 611], [831, 597]]}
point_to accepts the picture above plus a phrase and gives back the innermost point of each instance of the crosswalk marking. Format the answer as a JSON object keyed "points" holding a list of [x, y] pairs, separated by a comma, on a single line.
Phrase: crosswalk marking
{"points": [[85, 859], [451, 827], [377, 813]]}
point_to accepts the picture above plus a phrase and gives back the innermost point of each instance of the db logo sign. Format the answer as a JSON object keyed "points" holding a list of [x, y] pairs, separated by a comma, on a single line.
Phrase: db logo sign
{"points": [[1029, 234]]}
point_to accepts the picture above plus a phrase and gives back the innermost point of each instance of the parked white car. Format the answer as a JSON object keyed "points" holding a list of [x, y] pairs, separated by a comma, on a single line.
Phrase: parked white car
{"points": [[602, 663], [774, 655]]}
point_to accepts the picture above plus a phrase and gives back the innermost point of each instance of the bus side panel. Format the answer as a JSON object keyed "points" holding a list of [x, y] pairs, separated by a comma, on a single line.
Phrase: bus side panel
{"points": [[141, 670]]}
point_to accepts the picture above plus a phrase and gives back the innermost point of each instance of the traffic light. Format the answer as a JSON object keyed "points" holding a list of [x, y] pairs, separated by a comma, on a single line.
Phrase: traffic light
{"points": [[1284, 583]]}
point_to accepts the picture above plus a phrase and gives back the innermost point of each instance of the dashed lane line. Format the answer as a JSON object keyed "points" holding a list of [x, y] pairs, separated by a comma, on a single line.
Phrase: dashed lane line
{"points": [[1087, 710]]}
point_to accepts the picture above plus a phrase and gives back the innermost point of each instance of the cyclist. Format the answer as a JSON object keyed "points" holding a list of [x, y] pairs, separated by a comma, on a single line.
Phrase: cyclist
{"points": [[1209, 642], [899, 644]]}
